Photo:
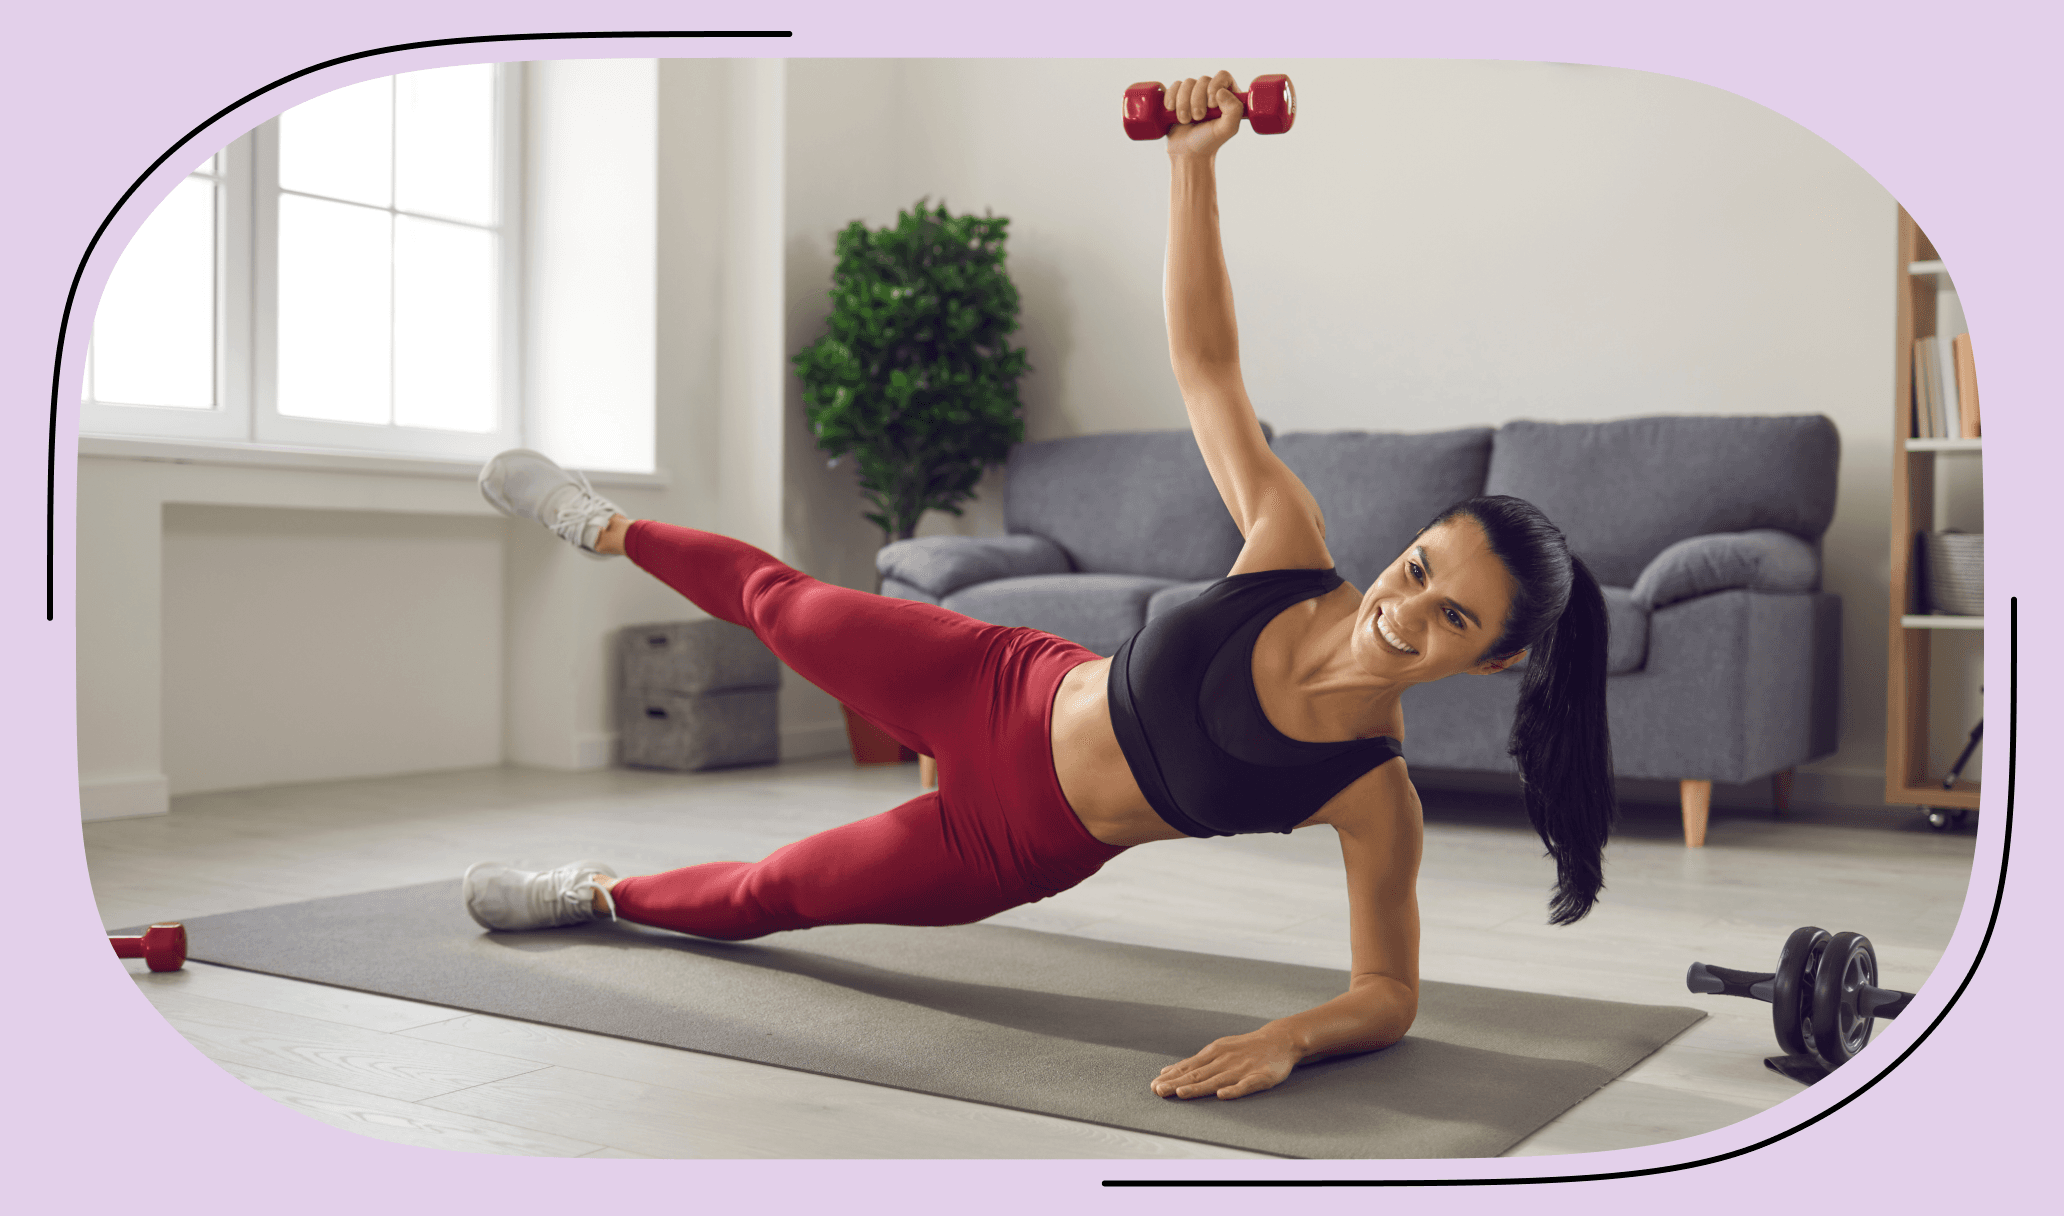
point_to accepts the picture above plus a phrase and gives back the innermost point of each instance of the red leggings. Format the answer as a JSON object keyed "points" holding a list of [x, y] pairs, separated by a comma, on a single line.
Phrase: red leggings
{"points": [[977, 698]]}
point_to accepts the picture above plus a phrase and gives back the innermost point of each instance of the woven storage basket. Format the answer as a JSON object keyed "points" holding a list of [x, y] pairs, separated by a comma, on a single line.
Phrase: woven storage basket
{"points": [[1956, 573]]}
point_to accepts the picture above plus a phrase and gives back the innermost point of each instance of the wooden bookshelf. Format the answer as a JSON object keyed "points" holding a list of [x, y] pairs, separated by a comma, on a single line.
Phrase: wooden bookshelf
{"points": [[1908, 779]]}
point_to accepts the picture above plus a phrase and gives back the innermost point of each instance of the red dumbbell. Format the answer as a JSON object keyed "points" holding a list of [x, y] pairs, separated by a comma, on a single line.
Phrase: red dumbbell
{"points": [[1270, 101], [162, 947]]}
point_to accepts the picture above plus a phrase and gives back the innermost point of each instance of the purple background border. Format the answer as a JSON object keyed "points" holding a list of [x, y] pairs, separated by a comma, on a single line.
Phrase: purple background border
{"points": [[1953, 111]]}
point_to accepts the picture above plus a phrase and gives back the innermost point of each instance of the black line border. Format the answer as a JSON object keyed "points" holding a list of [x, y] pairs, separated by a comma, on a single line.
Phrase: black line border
{"points": [[71, 296], [1999, 895]]}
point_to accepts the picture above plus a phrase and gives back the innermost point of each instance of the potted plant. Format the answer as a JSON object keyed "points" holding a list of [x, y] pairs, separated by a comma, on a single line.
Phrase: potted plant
{"points": [[914, 377]]}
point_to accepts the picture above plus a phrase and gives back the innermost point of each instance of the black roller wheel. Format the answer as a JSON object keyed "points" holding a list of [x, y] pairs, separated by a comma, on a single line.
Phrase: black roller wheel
{"points": [[1839, 1027], [1791, 991]]}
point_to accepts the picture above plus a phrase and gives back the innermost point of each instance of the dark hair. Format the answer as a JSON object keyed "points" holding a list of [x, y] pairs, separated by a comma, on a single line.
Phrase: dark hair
{"points": [[1559, 734]]}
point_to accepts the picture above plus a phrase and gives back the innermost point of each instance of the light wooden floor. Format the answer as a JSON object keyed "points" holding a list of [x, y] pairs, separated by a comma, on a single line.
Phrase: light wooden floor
{"points": [[428, 1075]]}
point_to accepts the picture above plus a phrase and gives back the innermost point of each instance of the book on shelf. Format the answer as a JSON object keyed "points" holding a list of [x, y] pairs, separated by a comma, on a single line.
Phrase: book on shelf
{"points": [[1927, 390], [1945, 392], [1919, 391], [1966, 388]]}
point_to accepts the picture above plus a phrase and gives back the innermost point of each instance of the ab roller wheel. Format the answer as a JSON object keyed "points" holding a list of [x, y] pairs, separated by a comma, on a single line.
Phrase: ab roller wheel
{"points": [[1822, 997]]}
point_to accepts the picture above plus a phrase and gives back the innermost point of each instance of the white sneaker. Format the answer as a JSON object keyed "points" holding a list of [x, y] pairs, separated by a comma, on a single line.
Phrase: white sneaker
{"points": [[528, 485], [504, 897]]}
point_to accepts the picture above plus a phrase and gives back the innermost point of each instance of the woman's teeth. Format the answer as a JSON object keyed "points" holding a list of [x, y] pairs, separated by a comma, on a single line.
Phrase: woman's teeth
{"points": [[1383, 627]]}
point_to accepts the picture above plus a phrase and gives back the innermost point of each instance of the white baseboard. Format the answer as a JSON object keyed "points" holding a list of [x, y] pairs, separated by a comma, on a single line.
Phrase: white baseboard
{"points": [[124, 797], [594, 750], [809, 742]]}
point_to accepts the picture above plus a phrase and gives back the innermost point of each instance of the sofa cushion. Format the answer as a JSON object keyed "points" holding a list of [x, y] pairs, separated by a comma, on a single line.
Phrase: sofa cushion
{"points": [[1760, 560], [1175, 596], [1378, 489], [896, 589], [941, 565], [1624, 491], [1099, 611], [1139, 503]]}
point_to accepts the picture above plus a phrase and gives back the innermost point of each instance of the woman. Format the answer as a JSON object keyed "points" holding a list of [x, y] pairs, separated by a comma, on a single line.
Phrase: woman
{"points": [[1269, 703]]}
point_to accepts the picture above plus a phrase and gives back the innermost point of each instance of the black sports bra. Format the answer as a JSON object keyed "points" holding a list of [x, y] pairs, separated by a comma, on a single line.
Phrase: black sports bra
{"points": [[1191, 725]]}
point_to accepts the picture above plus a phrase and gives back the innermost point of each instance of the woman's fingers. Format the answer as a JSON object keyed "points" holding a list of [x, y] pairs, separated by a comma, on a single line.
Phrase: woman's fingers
{"points": [[1230, 102], [1203, 1084], [1229, 1068], [1190, 99], [1185, 1073], [1208, 1072], [1253, 1082]]}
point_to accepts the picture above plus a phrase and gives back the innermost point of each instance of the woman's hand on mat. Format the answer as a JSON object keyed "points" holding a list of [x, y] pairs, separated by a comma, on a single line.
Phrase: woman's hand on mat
{"points": [[1232, 1067], [1189, 99]]}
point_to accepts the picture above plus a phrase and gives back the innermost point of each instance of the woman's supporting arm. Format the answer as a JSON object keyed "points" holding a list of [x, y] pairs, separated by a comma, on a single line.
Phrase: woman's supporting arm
{"points": [[1378, 820]]}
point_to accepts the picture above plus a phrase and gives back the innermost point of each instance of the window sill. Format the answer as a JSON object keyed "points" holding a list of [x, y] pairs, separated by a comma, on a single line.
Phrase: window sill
{"points": [[319, 460]]}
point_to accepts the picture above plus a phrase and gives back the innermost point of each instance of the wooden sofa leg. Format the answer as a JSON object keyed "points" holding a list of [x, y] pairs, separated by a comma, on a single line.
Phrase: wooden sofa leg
{"points": [[1697, 797], [927, 773], [1781, 790]]}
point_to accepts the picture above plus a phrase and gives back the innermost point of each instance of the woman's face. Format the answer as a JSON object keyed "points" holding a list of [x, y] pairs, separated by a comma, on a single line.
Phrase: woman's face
{"points": [[1437, 608]]}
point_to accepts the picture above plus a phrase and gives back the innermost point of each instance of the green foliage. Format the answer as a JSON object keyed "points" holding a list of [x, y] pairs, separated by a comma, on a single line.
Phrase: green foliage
{"points": [[914, 377]]}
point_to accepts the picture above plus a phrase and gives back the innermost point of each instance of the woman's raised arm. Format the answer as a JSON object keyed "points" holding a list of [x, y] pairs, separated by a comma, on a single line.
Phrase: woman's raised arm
{"points": [[1274, 511]]}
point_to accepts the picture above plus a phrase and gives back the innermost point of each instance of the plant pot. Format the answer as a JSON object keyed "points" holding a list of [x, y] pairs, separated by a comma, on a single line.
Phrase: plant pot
{"points": [[871, 744]]}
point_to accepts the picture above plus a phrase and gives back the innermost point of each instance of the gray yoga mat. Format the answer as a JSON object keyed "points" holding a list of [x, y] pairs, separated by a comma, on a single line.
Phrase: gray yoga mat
{"points": [[1061, 1025]]}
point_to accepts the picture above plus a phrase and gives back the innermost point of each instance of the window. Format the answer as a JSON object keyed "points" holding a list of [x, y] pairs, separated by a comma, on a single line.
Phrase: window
{"points": [[341, 278], [157, 330]]}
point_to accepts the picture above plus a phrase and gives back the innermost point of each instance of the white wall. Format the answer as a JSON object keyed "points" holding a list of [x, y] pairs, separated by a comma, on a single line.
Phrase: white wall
{"points": [[1435, 244], [144, 589], [307, 645], [590, 227]]}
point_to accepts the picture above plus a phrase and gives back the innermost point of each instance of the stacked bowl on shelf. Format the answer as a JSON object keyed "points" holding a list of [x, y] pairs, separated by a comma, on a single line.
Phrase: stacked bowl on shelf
{"points": [[1955, 569]]}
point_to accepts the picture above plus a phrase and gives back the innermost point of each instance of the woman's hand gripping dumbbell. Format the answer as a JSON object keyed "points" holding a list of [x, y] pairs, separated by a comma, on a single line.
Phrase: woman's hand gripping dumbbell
{"points": [[1269, 104]]}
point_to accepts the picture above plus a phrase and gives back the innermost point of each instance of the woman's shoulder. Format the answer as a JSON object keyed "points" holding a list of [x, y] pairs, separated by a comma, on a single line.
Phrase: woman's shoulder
{"points": [[1381, 803]]}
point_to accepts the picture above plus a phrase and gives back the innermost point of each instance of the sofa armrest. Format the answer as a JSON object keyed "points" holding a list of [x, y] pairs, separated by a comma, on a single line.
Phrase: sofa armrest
{"points": [[941, 565], [1761, 560]]}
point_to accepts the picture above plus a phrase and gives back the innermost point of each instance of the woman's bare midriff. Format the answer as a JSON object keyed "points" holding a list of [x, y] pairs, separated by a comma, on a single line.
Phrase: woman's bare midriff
{"points": [[1095, 779]]}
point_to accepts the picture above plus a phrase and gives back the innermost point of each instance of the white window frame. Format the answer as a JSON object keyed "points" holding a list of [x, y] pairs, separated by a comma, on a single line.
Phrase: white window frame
{"points": [[229, 419], [246, 411]]}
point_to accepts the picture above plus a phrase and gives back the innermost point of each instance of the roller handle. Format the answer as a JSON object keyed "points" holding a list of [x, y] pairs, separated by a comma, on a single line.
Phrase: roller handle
{"points": [[1881, 1002], [1270, 103], [1726, 981]]}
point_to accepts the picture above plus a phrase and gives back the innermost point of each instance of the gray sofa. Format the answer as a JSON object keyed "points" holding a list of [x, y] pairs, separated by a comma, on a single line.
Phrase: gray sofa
{"points": [[1704, 531]]}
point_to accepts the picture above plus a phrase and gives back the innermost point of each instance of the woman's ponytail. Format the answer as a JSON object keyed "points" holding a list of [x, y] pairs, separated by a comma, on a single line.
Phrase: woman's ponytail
{"points": [[1564, 750], [1559, 735]]}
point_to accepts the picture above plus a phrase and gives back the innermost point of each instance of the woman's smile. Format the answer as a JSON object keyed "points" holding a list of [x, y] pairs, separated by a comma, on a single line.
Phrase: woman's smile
{"points": [[1383, 631]]}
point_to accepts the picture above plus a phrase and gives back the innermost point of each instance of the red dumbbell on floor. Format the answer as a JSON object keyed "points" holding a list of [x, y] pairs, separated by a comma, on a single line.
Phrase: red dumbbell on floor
{"points": [[1270, 101], [162, 947]]}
